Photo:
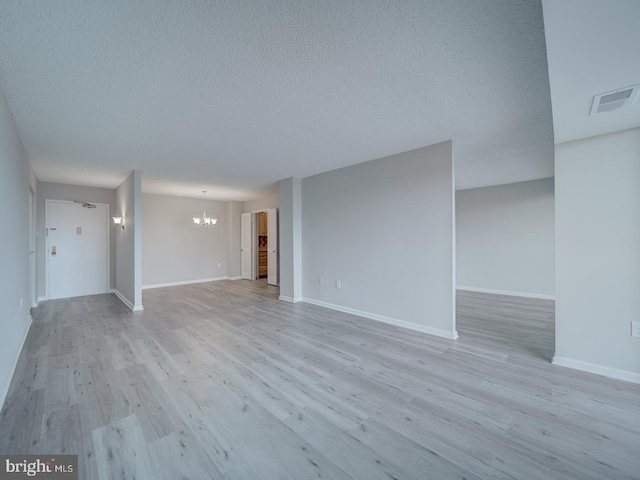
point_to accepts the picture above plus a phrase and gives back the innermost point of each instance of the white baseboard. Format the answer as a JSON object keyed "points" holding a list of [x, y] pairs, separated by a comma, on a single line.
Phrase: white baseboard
{"points": [[234, 278], [507, 292], [35, 304], [451, 335], [125, 300], [6, 383], [185, 282], [42, 299], [616, 373], [289, 299]]}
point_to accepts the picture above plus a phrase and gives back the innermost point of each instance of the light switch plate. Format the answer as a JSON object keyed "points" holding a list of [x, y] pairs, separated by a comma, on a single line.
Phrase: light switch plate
{"points": [[635, 329]]}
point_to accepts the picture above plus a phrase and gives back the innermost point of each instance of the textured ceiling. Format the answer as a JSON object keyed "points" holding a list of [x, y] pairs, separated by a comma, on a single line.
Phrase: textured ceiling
{"points": [[232, 96], [593, 49]]}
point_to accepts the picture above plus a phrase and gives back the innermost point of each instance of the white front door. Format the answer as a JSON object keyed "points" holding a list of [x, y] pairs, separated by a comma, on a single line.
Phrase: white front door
{"points": [[77, 249], [245, 246], [273, 277]]}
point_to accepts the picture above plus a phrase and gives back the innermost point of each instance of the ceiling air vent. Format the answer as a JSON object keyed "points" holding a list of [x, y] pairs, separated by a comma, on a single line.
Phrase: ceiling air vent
{"points": [[610, 101]]}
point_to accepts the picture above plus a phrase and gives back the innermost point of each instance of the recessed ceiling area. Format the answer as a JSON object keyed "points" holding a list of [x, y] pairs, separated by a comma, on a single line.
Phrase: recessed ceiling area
{"points": [[592, 50], [231, 97]]}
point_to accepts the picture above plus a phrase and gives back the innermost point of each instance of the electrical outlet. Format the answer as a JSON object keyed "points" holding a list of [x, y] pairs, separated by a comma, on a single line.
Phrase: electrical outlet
{"points": [[635, 329], [338, 284], [21, 303], [219, 264], [321, 281]]}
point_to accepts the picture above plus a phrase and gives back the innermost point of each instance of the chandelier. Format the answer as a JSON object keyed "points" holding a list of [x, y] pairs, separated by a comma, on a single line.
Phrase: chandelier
{"points": [[204, 221]]}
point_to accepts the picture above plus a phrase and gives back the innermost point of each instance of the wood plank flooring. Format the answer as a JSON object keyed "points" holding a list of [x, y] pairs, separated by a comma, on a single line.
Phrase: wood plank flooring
{"points": [[223, 381]]}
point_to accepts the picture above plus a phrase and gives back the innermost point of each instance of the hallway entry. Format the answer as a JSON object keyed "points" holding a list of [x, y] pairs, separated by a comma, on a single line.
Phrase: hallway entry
{"points": [[77, 249], [259, 246]]}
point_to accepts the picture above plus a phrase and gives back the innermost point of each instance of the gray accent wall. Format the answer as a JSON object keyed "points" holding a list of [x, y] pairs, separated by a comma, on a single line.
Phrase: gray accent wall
{"points": [[505, 238], [59, 191], [598, 254], [129, 240], [16, 177], [175, 251], [385, 230]]}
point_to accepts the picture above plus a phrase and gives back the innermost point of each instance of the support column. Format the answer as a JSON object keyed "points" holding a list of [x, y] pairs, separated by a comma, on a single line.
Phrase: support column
{"points": [[290, 231]]}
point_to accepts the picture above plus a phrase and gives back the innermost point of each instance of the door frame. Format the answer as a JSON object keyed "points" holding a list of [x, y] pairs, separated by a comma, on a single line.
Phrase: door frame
{"points": [[255, 270], [254, 243], [251, 247], [273, 254], [47, 202], [255, 260]]}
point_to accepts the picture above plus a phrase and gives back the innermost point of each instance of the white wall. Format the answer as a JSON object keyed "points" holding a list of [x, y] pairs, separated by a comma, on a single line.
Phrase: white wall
{"points": [[290, 239], [234, 211], [598, 254], [505, 238], [16, 175], [58, 191], [174, 251], [129, 241], [384, 229], [268, 201]]}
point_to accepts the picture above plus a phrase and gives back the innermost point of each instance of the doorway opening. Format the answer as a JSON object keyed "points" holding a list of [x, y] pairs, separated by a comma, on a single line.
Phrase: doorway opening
{"points": [[512, 325], [262, 240], [259, 246]]}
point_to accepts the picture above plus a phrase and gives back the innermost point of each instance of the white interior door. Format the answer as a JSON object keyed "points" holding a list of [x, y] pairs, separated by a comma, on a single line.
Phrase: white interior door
{"points": [[245, 246], [77, 249], [273, 277]]}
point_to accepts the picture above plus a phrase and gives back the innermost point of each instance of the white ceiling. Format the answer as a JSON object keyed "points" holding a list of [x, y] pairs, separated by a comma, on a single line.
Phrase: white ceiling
{"points": [[232, 96], [593, 47]]}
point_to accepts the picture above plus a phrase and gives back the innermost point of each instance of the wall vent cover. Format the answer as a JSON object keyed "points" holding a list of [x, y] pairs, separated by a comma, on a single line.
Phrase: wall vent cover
{"points": [[614, 100]]}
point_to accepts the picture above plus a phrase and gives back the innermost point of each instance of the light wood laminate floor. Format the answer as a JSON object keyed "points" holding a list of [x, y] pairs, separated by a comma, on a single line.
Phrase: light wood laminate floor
{"points": [[223, 381]]}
